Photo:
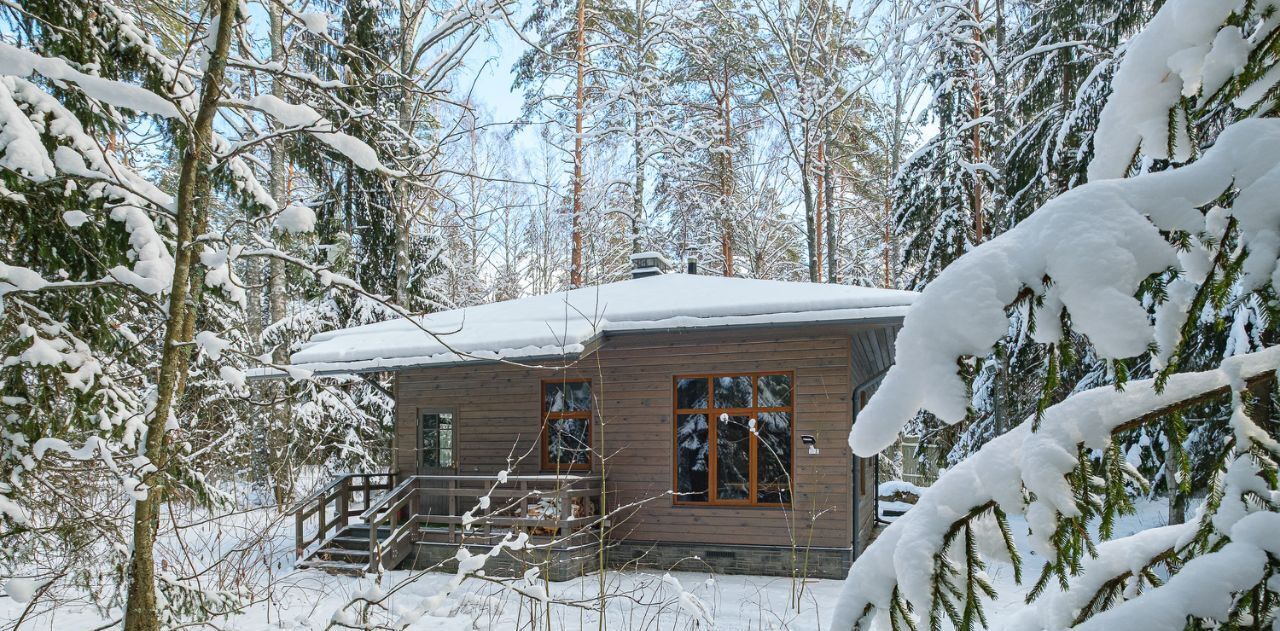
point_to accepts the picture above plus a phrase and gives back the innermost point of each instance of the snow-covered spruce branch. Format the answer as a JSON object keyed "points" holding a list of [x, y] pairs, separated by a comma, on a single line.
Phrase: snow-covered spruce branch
{"points": [[1083, 255], [1025, 472]]}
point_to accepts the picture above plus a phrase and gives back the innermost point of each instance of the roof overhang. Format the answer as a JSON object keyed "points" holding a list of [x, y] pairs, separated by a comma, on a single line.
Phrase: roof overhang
{"points": [[867, 316]]}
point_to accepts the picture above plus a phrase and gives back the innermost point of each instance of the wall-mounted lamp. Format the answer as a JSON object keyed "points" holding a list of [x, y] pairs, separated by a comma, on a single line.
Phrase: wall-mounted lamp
{"points": [[811, 443]]}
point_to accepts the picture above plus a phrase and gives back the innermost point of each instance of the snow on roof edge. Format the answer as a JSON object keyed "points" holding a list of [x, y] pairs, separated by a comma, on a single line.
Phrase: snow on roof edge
{"points": [[863, 315]]}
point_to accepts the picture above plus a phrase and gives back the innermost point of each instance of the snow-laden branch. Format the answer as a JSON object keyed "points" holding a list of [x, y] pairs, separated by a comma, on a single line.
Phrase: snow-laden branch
{"points": [[1184, 49], [1085, 253], [1024, 464], [17, 62]]}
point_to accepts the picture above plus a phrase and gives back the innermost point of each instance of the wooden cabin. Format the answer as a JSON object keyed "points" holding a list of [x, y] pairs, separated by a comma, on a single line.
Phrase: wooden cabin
{"points": [[673, 421]]}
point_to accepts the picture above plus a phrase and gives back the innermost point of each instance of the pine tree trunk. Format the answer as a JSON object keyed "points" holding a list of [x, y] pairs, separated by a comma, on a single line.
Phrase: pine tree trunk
{"points": [[833, 222], [726, 175], [979, 227], [580, 103], [1003, 218], [190, 209], [886, 251]]}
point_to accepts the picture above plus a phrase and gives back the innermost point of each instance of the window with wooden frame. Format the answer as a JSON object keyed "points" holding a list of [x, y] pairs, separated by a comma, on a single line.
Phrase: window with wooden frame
{"points": [[436, 437], [566, 424], [747, 418]]}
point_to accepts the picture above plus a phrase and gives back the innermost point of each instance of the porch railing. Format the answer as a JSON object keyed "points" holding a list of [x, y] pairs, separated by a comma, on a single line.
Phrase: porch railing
{"points": [[333, 505], [434, 508]]}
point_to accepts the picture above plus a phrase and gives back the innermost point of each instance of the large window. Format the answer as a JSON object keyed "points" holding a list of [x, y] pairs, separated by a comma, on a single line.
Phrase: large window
{"points": [[566, 422], [437, 440], [747, 417]]}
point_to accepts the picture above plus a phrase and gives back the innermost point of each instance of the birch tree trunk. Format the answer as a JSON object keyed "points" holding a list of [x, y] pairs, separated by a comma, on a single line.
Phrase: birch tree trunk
{"points": [[190, 211], [279, 288], [260, 454], [410, 16], [819, 208], [810, 206], [637, 190]]}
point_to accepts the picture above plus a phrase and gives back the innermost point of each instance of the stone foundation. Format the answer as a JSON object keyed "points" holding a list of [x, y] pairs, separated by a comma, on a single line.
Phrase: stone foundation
{"points": [[732, 559], [559, 565]]}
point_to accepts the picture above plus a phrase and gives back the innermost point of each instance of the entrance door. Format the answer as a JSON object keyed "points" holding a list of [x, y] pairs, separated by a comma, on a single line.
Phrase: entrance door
{"points": [[436, 456]]}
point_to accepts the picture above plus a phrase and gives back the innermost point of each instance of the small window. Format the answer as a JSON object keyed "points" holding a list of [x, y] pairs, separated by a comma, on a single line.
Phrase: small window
{"points": [[733, 439], [437, 440], [566, 420]]}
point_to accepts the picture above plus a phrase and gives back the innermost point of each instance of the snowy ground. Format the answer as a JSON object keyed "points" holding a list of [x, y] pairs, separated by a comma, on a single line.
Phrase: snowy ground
{"points": [[637, 600]]}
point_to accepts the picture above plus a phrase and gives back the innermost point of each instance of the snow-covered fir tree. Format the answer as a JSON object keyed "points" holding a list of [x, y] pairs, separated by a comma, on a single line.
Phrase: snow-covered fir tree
{"points": [[126, 347], [944, 198], [1136, 266]]}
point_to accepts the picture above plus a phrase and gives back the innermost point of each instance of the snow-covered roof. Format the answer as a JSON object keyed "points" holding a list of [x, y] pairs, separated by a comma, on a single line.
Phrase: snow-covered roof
{"points": [[564, 323]]}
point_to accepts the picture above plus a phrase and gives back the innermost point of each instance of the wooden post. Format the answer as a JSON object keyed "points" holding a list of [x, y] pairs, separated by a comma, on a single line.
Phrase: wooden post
{"points": [[488, 523], [562, 504], [415, 504], [393, 520], [344, 501], [452, 503], [524, 499], [323, 502], [297, 532], [374, 559]]}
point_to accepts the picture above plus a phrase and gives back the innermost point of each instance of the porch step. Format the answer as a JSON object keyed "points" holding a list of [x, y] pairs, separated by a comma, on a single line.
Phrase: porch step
{"points": [[345, 553], [335, 567], [342, 554], [349, 543], [361, 531]]}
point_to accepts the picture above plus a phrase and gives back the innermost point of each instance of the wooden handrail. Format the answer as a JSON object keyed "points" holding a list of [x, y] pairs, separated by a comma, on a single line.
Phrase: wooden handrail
{"points": [[382, 501], [404, 496], [339, 490], [549, 477]]}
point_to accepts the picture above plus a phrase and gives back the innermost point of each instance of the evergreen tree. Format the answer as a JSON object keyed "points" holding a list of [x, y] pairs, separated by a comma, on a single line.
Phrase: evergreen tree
{"points": [[1138, 268], [944, 190], [124, 334], [562, 79]]}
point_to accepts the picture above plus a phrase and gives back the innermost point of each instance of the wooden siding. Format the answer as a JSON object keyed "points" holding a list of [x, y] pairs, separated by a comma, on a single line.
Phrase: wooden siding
{"points": [[873, 349], [497, 414]]}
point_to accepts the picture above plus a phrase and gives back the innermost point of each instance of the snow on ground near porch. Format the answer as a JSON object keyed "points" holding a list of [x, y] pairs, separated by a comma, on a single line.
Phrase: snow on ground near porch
{"points": [[307, 600], [562, 323]]}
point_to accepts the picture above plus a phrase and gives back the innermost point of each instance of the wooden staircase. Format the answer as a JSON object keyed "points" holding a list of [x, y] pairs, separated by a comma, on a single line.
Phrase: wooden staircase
{"points": [[334, 543], [367, 522], [347, 552]]}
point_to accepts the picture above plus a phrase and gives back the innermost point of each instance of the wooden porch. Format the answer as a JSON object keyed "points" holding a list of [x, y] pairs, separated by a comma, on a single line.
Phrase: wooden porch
{"points": [[361, 522]]}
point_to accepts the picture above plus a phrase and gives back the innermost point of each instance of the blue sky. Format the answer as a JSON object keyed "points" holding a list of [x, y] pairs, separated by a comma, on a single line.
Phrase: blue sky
{"points": [[493, 61]]}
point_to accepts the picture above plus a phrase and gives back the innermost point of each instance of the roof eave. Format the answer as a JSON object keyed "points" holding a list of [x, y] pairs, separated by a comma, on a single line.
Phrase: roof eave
{"points": [[592, 344]]}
